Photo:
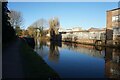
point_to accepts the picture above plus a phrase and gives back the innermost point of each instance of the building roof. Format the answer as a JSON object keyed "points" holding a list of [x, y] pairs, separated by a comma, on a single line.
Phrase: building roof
{"points": [[113, 9], [96, 29], [78, 31], [93, 29]]}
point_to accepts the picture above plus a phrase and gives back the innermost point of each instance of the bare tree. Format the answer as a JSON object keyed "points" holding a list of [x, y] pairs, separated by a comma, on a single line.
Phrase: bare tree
{"points": [[54, 24], [16, 18], [31, 31], [39, 26]]}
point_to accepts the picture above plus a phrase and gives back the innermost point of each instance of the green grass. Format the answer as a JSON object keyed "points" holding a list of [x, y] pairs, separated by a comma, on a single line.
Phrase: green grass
{"points": [[34, 66]]}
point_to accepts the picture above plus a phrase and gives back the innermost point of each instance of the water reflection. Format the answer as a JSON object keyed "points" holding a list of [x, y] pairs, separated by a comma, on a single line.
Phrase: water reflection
{"points": [[112, 65], [77, 60], [40, 46], [54, 52], [85, 49]]}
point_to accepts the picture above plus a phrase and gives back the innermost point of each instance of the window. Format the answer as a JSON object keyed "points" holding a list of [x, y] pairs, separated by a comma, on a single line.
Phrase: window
{"points": [[116, 31], [115, 18]]}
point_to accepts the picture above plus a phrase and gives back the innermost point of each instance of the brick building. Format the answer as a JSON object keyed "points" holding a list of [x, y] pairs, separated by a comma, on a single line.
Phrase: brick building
{"points": [[113, 25]]}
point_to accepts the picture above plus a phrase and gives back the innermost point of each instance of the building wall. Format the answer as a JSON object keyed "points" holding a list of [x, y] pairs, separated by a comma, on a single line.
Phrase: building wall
{"points": [[84, 36], [116, 36], [116, 26], [109, 31], [112, 21], [109, 20], [115, 15]]}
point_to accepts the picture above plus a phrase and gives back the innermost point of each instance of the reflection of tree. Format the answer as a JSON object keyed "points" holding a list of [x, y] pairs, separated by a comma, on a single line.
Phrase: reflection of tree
{"points": [[69, 45], [40, 47], [75, 45], [54, 52], [39, 43], [112, 65]]}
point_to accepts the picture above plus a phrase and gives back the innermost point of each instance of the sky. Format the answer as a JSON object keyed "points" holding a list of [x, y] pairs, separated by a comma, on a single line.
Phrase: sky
{"points": [[63, 0], [70, 14]]}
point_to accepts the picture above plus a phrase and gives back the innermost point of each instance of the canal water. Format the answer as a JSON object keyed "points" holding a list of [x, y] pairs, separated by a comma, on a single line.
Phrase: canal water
{"points": [[72, 60]]}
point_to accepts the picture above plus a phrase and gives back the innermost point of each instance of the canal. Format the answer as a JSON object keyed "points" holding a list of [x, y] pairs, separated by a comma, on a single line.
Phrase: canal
{"points": [[72, 60]]}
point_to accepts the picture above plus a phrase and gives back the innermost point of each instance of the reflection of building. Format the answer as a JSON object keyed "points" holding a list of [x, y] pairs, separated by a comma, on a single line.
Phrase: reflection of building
{"points": [[113, 25], [112, 66], [85, 49]]}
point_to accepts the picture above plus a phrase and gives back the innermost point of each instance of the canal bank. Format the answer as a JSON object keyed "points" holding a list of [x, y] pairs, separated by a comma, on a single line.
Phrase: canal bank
{"points": [[33, 65], [20, 61]]}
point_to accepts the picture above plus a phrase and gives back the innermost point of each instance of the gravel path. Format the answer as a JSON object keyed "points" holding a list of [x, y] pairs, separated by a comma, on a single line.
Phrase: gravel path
{"points": [[11, 61]]}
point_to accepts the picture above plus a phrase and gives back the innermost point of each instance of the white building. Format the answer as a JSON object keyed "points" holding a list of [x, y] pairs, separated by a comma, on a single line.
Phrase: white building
{"points": [[77, 29], [93, 34]]}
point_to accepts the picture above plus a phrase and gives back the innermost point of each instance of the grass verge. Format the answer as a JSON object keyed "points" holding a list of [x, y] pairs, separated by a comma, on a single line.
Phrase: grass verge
{"points": [[33, 65]]}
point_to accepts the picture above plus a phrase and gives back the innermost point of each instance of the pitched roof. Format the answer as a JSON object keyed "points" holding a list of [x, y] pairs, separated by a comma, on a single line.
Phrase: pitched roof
{"points": [[96, 29], [114, 9], [93, 29]]}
